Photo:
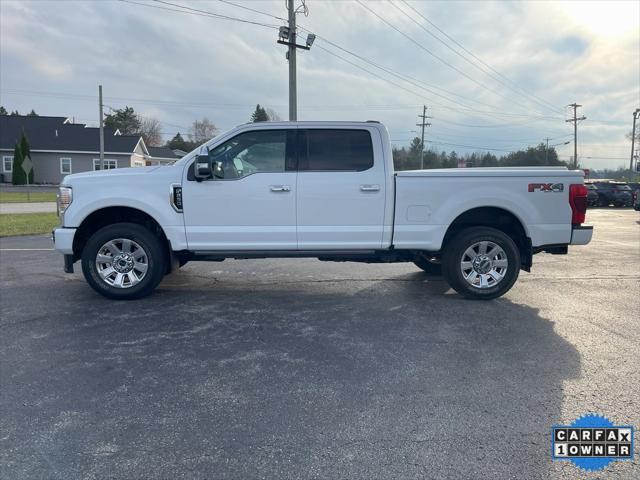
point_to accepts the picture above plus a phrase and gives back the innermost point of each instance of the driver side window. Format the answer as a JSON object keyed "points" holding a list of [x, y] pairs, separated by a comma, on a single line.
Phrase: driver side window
{"points": [[251, 152]]}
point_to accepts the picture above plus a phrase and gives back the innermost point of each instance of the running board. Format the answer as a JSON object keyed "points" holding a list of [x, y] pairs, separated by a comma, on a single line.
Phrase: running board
{"points": [[244, 254]]}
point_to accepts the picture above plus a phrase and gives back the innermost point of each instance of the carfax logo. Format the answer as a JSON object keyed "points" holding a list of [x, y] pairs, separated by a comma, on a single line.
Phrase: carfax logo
{"points": [[592, 442]]}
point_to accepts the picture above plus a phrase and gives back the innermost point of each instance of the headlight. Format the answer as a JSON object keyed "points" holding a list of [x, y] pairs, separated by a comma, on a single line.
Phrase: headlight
{"points": [[65, 197]]}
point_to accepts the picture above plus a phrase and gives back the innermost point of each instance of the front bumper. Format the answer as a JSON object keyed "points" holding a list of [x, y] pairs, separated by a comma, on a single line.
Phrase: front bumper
{"points": [[63, 239], [581, 235]]}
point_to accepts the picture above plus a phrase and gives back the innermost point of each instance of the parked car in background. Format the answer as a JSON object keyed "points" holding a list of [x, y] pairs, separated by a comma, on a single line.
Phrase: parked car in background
{"points": [[636, 200], [635, 186], [613, 193], [592, 195]]}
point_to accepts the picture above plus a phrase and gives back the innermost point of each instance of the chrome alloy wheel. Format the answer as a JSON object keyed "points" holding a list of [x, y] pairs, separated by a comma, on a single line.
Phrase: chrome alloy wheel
{"points": [[484, 264], [122, 263]]}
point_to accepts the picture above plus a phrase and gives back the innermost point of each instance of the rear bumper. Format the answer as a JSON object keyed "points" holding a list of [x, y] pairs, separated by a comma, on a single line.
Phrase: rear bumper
{"points": [[581, 235], [63, 239]]}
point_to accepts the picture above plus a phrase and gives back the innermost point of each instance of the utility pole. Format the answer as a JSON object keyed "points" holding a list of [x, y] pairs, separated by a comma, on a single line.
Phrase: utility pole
{"points": [[575, 121], [546, 152], [633, 135], [291, 56], [101, 128], [422, 124], [287, 36]]}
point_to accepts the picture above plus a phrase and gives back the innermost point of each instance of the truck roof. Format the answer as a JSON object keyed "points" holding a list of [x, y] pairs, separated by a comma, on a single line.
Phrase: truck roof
{"points": [[287, 123]]}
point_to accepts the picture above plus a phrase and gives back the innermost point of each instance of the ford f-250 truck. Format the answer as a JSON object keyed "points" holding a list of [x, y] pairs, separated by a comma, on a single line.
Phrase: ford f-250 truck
{"points": [[315, 189]]}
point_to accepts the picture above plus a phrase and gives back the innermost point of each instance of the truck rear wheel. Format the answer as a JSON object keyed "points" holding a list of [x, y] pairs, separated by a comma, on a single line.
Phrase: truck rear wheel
{"points": [[123, 261], [481, 263]]}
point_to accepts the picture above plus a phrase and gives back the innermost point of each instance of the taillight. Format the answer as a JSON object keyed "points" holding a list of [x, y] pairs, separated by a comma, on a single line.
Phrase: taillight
{"points": [[578, 201]]}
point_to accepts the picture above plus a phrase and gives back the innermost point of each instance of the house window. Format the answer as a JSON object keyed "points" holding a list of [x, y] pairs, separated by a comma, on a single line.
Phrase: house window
{"points": [[65, 165], [7, 164], [108, 164]]}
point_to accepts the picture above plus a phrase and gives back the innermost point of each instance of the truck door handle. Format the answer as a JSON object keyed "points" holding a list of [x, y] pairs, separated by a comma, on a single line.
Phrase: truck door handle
{"points": [[369, 188], [280, 188]]}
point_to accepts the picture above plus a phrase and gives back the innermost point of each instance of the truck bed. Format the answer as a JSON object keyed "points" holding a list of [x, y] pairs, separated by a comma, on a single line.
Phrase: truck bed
{"points": [[493, 172], [429, 201]]}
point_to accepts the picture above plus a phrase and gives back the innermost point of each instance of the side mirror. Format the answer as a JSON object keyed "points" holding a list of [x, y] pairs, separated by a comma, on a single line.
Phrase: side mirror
{"points": [[202, 167]]}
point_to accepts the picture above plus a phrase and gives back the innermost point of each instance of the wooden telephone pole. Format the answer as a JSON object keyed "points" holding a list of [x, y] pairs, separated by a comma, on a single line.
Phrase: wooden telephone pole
{"points": [[575, 121], [423, 124]]}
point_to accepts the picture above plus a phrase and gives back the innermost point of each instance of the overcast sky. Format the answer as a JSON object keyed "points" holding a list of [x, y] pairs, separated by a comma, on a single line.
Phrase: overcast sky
{"points": [[537, 58]]}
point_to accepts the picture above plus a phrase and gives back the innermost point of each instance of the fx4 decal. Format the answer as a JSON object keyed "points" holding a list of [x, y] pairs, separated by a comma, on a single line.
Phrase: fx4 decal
{"points": [[546, 187]]}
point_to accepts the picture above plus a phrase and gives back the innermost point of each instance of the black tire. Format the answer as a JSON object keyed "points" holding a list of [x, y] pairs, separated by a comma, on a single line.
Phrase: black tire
{"points": [[430, 268], [453, 256], [156, 260]]}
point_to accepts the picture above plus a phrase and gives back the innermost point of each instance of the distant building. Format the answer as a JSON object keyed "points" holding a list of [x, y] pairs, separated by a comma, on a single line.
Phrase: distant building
{"points": [[161, 156], [59, 148], [179, 153]]}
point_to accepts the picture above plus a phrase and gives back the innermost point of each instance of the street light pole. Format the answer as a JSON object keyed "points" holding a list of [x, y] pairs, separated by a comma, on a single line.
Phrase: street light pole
{"points": [[291, 56], [633, 136], [101, 129]]}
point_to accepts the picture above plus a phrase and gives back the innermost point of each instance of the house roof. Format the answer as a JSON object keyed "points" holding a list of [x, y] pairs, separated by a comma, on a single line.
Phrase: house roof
{"points": [[161, 152], [52, 133]]}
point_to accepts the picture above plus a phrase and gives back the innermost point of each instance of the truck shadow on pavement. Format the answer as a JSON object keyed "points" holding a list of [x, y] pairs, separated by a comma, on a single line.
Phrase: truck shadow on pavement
{"points": [[353, 379]]}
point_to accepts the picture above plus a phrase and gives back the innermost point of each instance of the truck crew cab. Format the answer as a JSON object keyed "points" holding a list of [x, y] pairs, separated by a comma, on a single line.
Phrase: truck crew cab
{"points": [[315, 189]]}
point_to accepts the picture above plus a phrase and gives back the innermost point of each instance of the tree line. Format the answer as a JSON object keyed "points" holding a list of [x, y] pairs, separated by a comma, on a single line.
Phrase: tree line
{"points": [[409, 158]]}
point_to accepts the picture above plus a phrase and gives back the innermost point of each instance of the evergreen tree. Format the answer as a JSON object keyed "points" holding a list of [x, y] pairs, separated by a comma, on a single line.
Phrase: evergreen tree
{"points": [[17, 176], [124, 119], [25, 152], [3, 111], [15, 113], [179, 143], [259, 115], [32, 113]]}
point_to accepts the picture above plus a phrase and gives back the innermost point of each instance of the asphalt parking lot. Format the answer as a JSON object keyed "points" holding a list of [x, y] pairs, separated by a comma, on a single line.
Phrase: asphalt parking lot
{"points": [[304, 369]]}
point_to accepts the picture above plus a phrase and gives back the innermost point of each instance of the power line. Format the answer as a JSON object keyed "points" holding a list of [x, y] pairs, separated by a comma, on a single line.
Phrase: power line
{"points": [[253, 10], [441, 105], [205, 13], [540, 100], [422, 47], [426, 86], [197, 12], [595, 158], [455, 51]]}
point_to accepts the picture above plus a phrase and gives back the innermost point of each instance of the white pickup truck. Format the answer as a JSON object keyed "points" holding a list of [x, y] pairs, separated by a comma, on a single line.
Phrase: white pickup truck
{"points": [[326, 190]]}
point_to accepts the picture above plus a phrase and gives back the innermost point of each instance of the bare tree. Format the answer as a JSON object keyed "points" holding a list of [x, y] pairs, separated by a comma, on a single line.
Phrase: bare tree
{"points": [[150, 129], [273, 115], [202, 130], [628, 135]]}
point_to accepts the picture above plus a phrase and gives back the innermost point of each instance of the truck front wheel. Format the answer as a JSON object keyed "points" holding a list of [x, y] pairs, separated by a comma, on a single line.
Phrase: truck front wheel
{"points": [[123, 261], [481, 263]]}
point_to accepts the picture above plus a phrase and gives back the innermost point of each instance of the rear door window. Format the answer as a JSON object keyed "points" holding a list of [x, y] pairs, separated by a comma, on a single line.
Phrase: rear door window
{"points": [[336, 150]]}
